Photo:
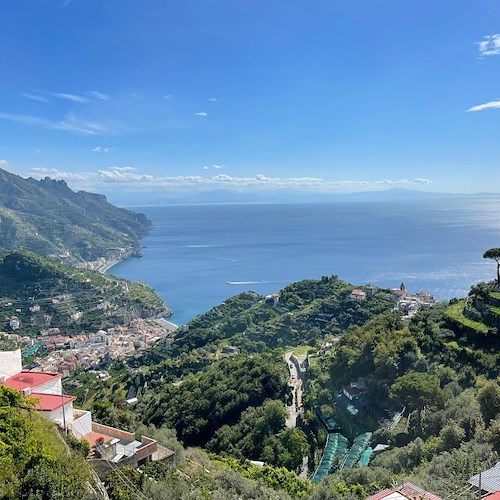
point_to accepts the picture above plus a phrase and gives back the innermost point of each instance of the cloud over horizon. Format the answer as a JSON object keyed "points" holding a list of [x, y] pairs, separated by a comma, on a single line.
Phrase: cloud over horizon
{"points": [[128, 177]]}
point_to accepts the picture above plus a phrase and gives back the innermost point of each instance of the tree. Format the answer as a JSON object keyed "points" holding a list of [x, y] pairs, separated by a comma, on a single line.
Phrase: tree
{"points": [[416, 390], [489, 401], [494, 254], [493, 434]]}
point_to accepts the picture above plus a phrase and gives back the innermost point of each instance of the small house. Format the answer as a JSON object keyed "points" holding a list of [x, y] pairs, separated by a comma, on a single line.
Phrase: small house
{"points": [[358, 294]]}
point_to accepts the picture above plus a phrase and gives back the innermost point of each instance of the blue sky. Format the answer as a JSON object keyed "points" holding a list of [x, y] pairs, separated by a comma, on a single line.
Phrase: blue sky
{"points": [[160, 95]]}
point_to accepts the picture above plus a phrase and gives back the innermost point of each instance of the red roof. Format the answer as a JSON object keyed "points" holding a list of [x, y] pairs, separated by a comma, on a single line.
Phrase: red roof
{"points": [[407, 490], [93, 437], [48, 402], [358, 292], [353, 391], [24, 380], [493, 496]]}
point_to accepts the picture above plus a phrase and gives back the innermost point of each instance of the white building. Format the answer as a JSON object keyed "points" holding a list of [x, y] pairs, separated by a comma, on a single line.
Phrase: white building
{"points": [[358, 294], [107, 443]]}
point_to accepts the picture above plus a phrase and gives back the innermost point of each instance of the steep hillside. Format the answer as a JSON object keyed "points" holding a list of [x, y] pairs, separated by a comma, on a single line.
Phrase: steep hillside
{"points": [[41, 293], [224, 377], [431, 395], [479, 314], [49, 218], [35, 461]]}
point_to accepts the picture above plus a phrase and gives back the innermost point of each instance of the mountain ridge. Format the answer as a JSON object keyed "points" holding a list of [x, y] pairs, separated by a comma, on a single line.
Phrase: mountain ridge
{"points": [[49, 218]]}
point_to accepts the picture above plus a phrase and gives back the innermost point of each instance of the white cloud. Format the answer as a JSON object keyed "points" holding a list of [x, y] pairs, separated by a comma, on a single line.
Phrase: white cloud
{"points": [[35, 97], [168, 97], [69, 124], [72, 123], [212, 99], [224, 178], [101, 149], [486, 105], [215, 166], [69, 97], [490, 45], [128, 176], [4, 163], [201, 113], [99, 95], [124, 175]]}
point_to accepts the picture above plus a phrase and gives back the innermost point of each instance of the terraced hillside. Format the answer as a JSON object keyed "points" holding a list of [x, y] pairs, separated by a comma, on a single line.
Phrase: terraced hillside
{"points": [[478, 315], [43, 293]]}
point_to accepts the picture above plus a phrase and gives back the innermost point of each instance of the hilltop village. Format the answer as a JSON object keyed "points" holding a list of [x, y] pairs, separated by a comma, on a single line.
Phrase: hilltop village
{"points": [[407, 303]]}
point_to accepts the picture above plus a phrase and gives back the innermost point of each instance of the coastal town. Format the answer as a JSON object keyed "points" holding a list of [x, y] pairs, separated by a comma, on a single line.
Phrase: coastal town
{"points": [[53, 350]]}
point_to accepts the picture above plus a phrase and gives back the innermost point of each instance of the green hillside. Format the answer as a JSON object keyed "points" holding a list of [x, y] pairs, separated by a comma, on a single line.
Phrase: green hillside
{"points": [[49, 218], [35, 460], [66, 297], [222, 385], [479, 314], [233, 399]]}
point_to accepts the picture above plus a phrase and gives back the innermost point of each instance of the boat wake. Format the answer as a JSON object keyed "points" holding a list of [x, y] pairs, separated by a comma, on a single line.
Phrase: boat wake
{"points": [[202, 246], [248, 282]]}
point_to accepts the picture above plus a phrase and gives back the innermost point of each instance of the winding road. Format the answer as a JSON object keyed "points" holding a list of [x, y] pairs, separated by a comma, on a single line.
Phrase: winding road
{"points": [[296, 384]]}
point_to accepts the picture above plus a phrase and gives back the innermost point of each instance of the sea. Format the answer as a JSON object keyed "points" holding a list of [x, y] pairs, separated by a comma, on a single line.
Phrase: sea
{"points": [[196, 256]]}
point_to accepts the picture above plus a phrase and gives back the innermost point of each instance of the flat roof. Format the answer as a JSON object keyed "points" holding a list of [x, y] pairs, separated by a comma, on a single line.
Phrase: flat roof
{"points": [[49, 402], [25, 379], [92, 438]]}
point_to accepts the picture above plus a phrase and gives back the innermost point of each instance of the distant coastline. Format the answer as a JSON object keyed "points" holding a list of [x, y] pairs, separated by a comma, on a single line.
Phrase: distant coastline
{"points": [[108, 264]]}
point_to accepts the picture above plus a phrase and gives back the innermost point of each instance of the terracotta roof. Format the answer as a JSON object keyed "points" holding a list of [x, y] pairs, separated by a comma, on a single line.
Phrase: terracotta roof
{"points": [[493, 496], [49, 402], [353, 391], [93, 437], [24, 380], [358, 292], [408, 491]]}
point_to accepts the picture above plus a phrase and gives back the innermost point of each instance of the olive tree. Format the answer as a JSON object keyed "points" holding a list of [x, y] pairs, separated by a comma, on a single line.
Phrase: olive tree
{"points": [[494, 254]]}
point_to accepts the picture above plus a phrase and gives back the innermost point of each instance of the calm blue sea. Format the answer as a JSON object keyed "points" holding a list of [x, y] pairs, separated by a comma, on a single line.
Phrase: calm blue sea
{"points": [[196, 256]]}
